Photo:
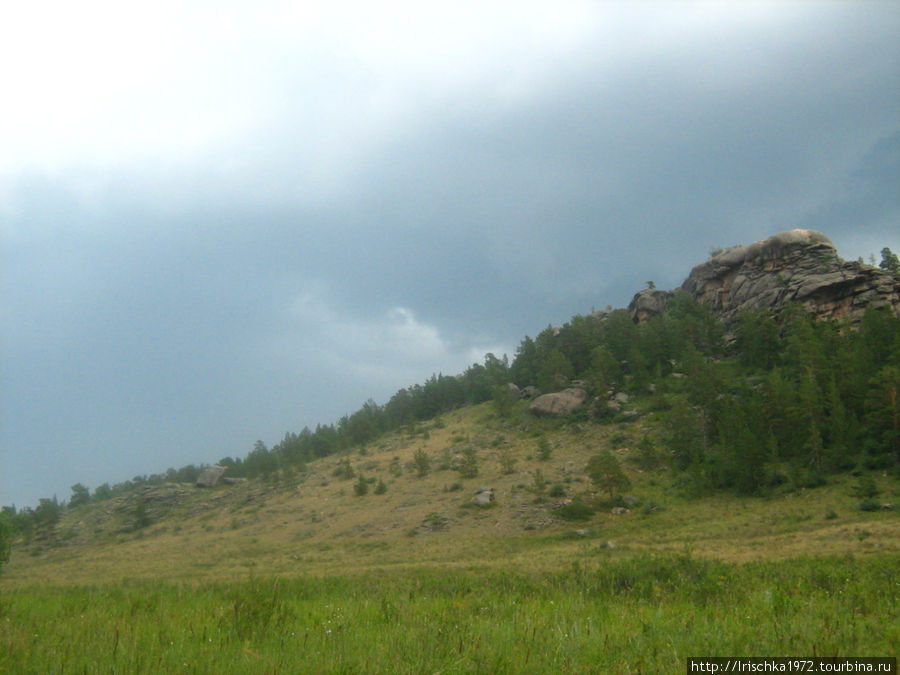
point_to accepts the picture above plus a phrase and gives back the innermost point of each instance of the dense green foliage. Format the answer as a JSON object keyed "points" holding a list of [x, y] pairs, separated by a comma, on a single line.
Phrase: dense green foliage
{"points": [[642, 614], [770, 395]]}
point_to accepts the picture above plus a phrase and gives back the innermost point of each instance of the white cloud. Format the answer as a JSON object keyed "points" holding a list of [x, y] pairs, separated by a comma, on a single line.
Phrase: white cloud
{"points": [[382, 353]]}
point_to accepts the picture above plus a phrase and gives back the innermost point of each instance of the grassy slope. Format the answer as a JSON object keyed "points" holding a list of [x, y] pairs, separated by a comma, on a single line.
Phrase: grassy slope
{"points": [[305, 576], [313, 523]]}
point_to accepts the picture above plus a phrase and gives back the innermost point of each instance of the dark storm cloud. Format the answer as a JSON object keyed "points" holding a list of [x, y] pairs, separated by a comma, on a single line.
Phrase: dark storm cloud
{"points": [[369, 222]]}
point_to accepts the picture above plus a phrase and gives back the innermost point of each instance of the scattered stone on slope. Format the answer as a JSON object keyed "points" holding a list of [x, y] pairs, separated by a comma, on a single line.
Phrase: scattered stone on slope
{"points": [[483, 496]]}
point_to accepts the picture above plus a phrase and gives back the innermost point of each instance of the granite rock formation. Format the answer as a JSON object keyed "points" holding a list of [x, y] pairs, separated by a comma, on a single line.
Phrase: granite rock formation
{"points": [[560, 403], [795, 267]]}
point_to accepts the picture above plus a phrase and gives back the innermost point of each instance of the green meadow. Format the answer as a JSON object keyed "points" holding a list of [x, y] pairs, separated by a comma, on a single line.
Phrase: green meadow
{"points": [[645, 613]]}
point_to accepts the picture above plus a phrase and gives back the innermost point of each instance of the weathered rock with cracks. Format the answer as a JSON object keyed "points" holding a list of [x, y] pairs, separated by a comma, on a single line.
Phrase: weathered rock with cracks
{"points": [[799, 266], [795, 267]]}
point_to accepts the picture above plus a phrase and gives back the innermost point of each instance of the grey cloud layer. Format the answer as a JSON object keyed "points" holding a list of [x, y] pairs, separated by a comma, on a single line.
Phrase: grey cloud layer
{"points": [[364, 221]]}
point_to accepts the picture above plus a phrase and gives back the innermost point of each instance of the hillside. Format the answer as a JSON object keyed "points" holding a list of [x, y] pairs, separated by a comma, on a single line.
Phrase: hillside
{"points": [[315, 523], [750, 419]]}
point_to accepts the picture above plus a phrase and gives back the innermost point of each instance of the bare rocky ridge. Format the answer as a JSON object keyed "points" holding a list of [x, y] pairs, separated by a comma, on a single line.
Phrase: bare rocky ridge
{"points": [[798, 266]]}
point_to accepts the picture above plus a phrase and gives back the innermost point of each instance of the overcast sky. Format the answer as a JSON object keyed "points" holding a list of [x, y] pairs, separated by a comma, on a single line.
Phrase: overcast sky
{"points": [[226, 220]]}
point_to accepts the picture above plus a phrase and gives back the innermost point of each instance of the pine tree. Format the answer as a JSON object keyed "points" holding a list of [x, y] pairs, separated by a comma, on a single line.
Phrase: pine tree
{"points": [[606, 473], [811, 410], [889, 261], [883, 403]]}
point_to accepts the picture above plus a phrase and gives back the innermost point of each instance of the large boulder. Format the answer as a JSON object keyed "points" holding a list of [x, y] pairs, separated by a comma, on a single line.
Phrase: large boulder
{"points": [[559, 403], [210, 476]]}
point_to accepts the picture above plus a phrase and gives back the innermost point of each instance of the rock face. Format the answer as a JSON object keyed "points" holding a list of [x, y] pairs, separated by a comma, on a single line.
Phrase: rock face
{"points": [[559, 403], [799, 266]]}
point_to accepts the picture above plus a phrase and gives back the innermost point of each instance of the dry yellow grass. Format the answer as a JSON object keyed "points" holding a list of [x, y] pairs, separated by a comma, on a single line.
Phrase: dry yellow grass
{"points": [[314, 523]]}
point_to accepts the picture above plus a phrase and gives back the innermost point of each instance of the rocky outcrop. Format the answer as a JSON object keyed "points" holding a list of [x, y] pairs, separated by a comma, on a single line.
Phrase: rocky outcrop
{"points": [[648, 302], [559, 403], [796, 267]]}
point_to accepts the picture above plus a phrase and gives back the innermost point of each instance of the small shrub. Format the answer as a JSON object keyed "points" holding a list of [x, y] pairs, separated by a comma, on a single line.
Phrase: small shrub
{"points": [[361, 486], [468, 463], [869, 505], [577, 510], [141, 517], [380, 488], [545, 450], [445, 462], [507, 461], [865, 488], [422, 463], [344, 469], [830, 514], [558, 490], [539, 483], [435, 521], [395, 467], [648, 456]]}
